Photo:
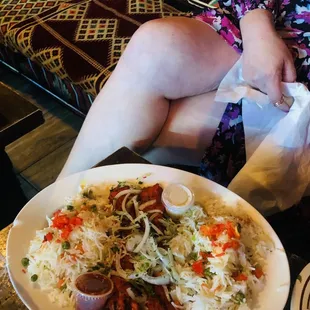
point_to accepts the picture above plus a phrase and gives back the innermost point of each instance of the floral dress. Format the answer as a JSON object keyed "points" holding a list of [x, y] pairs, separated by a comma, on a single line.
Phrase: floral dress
{"points": [[227, 154]]}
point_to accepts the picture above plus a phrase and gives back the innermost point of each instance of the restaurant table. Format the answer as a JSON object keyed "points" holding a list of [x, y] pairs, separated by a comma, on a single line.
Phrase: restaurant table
{"points": [[9, 299], [18, 116]]}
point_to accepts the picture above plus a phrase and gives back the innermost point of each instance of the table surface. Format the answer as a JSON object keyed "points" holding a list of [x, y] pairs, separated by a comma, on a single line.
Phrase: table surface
{"points": [[18, 115], [9, 299]]}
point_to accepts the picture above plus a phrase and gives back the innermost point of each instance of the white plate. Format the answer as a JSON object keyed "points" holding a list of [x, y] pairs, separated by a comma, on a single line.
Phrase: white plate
{"points": [[301, 293], [32, 218]]}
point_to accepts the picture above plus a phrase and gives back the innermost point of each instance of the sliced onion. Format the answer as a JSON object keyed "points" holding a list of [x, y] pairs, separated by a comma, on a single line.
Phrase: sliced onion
{"points": [[156, 229], [134, 276], [132, 242], [119, 269], [141, 216], [136, 204], [172, 267], [124, 208], [139, 299], [161, 253], [127, 191], [130, 201], [145, 236], [166, 292], [147, 204], [178, 294], [176, 306], [155, 211], [128, 227], [161, 280], [153, 216], [161, 238], [163, 222]]}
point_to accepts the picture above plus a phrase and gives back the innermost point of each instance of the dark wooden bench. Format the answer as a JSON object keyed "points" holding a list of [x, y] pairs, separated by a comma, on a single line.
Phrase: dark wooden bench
{"points": [[18, 116]]}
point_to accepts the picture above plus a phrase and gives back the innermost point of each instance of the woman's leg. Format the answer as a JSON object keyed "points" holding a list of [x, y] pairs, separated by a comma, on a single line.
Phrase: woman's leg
{"points": [[189, 128], [166, 59]]}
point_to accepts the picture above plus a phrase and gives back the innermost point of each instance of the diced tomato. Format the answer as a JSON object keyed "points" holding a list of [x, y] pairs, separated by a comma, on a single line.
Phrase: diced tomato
{"points": [[56, 213], [58, 241], [214, 243], [66, 224], [198, 267], [65, 234], [24, 271], [205, 255], [60, 221], [48, 237], [219, 255], [205, 230], [213, 231], [231, 245], [63, 220], [258, 272], [60, 283], [240, 277], [76, 221], [232, 231]]}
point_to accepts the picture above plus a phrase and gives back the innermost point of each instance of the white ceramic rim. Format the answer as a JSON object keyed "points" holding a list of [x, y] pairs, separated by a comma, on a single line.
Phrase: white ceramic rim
{"points": [[98, 175]]}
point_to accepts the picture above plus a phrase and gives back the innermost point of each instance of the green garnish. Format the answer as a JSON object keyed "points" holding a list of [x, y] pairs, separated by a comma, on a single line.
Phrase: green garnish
{"points": [[299, 278], [140, 182], [25, 262], [105, 271], [93, 208], [208, 273], [88, 194], [239, 298], [63, 287], [121, 183], [239, 227], [34, 278], [66, 245], [115, 249], [193, 256], [101, 268], [142, 286], [102, 265], [70, 208]]}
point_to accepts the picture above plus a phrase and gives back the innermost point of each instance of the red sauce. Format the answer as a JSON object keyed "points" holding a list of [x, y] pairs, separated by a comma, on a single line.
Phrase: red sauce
{"points": [[93, 284]]}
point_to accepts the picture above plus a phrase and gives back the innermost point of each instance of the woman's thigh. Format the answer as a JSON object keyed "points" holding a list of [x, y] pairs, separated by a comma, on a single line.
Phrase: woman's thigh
{"points": [[175, 58], [189, 129]]}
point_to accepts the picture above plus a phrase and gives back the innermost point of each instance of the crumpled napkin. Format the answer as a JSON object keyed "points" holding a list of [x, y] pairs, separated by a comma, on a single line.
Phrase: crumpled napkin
{"points": [[277, 172]]}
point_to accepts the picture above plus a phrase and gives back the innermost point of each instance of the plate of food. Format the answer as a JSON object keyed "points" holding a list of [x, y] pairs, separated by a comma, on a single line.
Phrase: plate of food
{"points": [[140, 236]]}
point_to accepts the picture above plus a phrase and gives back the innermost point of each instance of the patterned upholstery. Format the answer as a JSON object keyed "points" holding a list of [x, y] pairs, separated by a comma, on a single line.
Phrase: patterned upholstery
{"points": [[15, 11], [78, 42]]}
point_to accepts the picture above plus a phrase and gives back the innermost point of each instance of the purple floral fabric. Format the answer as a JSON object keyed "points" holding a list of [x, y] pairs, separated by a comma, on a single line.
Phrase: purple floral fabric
{"points": [[226, 155]]}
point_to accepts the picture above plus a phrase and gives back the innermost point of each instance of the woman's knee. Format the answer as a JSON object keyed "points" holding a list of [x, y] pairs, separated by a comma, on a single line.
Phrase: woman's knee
{"points": [[159, 40], [159, 34]]}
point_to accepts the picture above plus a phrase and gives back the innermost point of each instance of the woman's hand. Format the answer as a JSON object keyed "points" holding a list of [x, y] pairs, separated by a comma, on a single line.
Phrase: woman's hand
{"points": [[266, 59]]}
